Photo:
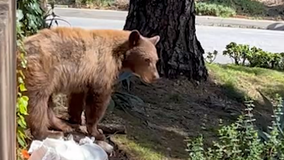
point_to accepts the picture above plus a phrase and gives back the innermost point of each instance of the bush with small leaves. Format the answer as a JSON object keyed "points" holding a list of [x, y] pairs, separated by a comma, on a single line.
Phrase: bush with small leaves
{"points": [[95, 3], [22, 101], [255, 57], [204, 8], [237, 52], [260, 58], [242, 140], [211, 56], [240, 7], [31, 16]]}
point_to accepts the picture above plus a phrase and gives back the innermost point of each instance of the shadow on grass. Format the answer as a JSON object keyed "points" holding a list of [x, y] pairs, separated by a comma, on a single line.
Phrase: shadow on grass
{"points": [[155, 141], [150, 141], [268, 88], [262, 113], [232, 92], [174, 113], [228, 79]]}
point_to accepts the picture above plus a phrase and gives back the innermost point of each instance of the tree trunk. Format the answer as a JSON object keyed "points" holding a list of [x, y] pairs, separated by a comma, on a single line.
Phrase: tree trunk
{"points": [[179, 50]]}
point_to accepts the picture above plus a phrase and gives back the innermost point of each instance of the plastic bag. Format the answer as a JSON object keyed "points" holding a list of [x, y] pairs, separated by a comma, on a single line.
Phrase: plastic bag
{"points": [[60, 149]]}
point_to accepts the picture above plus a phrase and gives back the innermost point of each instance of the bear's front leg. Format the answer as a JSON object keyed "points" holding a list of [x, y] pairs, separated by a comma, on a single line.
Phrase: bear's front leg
{"points": [[96, 105]]}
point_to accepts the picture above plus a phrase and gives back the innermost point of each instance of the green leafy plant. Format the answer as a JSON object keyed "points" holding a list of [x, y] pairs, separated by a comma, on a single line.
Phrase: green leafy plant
{"points": [[260, 58], [211, 56], [242, 140], [237, 52], [32, 16], [255, 57], [204, 8], [103, 3], [240, 7], [97, 3], [281, 64], [22, 100], [278, 117]]}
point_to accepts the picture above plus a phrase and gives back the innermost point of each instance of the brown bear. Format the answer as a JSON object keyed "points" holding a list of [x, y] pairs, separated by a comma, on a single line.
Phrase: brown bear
{"points": [[84, 64]]}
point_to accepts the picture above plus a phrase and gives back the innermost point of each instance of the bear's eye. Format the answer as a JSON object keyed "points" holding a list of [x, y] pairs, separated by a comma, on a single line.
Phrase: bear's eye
{"points": [[147, 60]]}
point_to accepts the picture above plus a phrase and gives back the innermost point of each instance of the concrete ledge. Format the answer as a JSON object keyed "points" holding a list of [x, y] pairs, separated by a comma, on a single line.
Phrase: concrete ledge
{"points": [[239, 23]]}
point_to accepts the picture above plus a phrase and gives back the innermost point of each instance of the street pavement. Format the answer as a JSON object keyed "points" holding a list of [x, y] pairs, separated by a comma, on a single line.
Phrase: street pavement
{"points": [[200, 20], [211, 37]]}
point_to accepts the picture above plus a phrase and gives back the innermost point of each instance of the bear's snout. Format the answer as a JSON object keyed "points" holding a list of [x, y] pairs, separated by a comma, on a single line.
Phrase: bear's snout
{"points": [[156, 76]]}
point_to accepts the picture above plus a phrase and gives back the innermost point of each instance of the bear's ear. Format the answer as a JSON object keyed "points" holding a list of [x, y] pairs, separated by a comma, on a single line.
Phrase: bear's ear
{"points": [[155, 39], [134, 37]]}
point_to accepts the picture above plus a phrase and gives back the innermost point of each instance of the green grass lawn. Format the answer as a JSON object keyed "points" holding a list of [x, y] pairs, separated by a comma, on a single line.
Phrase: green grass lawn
{"points": [[138, 151], [240, 81]]}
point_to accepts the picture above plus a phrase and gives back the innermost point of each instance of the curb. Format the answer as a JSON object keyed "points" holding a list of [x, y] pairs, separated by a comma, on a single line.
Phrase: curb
{"points": [[240, 23]]}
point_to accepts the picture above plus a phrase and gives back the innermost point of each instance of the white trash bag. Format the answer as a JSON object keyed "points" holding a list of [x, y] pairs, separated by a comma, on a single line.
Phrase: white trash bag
{"points": [[60, 149]]}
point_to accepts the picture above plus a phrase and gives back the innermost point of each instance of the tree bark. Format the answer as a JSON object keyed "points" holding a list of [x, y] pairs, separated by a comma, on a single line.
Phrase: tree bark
{"points": [[179, 50]]}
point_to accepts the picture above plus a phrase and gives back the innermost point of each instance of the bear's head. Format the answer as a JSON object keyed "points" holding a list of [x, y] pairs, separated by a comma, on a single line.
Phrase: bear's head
{"points": [[142, 57]]}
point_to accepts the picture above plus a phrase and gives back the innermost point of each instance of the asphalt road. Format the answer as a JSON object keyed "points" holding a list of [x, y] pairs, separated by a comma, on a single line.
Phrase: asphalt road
{"points": [[211, 38], [200, 20]]}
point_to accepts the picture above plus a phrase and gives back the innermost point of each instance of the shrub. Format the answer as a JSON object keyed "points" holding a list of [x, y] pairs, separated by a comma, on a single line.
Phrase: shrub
{"points": [[31, 16], [94, 3], [22, 101], [242, 141], [255, 57], [204, 8], [247, 7], [236, 52], [241, 7], [211, 56]]}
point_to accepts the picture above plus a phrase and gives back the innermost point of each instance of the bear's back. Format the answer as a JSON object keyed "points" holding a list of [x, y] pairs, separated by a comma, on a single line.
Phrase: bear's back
{"points": [[72, 44], [74, 57]]}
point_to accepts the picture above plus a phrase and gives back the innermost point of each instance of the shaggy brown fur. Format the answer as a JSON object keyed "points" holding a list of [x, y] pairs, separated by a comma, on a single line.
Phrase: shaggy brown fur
{"points": [[83, 64]]}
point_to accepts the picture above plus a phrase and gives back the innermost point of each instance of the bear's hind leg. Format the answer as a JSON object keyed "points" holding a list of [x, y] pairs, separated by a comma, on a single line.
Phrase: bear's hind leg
{"points": [[37, 118], [56, 122]]}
